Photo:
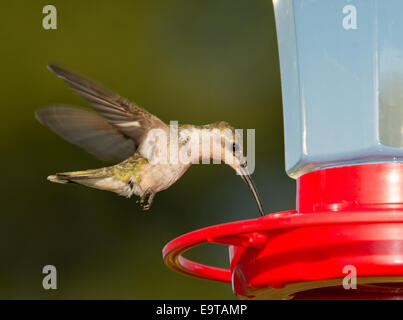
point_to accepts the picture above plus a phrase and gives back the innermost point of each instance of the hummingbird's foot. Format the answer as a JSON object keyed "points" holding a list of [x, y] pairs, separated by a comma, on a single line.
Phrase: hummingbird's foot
{"points": [[143, 197], [151, 195]]}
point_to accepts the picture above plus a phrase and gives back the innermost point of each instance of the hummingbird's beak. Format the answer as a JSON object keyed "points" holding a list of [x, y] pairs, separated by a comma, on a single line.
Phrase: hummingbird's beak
{"points": [[248, 179]]}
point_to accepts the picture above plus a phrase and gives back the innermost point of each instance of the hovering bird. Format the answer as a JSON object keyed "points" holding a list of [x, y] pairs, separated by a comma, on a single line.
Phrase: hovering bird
{"points": [[120, 131]]}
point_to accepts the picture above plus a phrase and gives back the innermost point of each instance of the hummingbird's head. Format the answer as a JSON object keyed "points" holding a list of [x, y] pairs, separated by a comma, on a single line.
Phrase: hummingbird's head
{"points": [[226, 146]]}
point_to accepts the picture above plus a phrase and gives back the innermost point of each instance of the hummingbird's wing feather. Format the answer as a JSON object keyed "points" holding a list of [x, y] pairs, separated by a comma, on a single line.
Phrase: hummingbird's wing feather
{"points": [[126, 116], [88, 130]]}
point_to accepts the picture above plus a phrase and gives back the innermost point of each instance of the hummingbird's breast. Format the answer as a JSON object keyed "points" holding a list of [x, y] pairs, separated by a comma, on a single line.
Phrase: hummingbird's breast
{"points": [[161, 176]]}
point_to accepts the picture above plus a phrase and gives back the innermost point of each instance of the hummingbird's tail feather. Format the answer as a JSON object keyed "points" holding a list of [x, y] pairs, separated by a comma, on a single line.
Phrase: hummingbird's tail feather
{"points": [[96, 178], [59, 178], [76, 176]]}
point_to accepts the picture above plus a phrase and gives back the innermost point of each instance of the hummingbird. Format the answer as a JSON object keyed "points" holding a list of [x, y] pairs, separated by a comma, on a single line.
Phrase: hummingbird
{"points": [[119, 131]]}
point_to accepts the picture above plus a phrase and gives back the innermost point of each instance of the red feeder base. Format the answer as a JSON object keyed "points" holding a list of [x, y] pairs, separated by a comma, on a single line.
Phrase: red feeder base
{"points": [[349, 222]]}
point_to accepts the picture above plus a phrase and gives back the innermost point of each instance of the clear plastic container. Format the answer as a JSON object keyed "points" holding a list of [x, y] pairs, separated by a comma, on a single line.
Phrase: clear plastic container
{"points": [[342, 81]]}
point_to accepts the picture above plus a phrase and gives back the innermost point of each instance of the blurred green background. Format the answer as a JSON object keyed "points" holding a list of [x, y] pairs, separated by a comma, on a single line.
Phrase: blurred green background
{"points": [[195, 61]]}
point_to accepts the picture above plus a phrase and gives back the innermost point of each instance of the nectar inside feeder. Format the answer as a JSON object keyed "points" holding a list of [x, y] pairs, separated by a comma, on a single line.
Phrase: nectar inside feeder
{"points": [[342, 83]]}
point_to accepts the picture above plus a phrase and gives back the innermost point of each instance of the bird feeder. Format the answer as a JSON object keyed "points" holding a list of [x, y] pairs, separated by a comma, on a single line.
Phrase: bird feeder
{"points": [[342, 83]]}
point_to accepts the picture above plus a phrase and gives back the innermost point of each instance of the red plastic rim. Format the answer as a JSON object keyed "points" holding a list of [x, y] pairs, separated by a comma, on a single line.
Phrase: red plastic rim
{"points": [[233, 233], [253, 233]]}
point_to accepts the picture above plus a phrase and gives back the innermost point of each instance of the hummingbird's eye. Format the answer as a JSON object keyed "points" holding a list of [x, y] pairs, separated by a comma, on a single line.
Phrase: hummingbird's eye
{"points": [[234, 147]]}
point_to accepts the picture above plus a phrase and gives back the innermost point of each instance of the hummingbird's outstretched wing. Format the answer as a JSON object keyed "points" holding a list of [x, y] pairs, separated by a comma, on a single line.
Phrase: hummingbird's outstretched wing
{"points": [[88, 130], [128, 118]]}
